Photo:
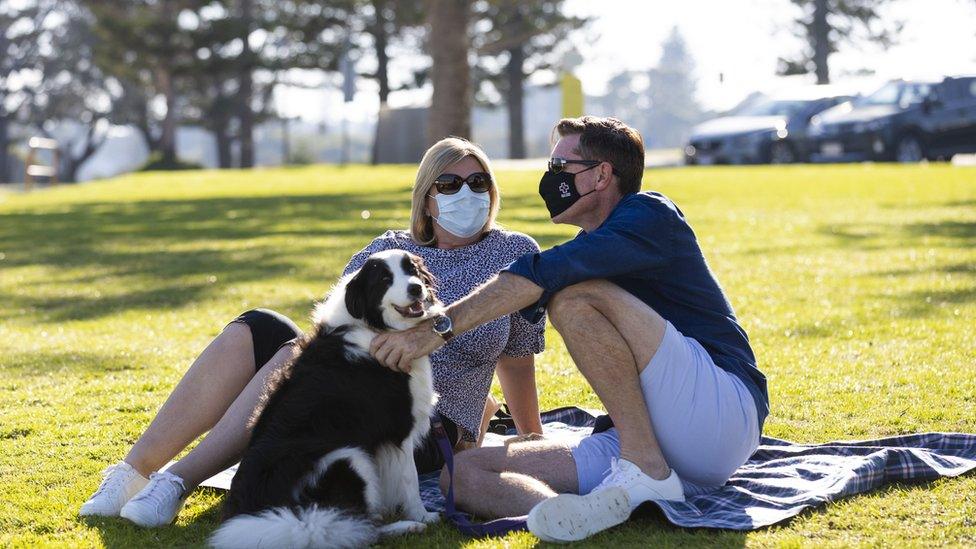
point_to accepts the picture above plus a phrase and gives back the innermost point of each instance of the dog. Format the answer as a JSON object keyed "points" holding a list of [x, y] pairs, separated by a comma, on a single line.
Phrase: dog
{"points": [[331, 451]]}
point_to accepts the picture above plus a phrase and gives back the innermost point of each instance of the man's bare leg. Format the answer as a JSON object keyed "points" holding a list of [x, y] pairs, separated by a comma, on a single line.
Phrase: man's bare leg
{"points": [[207, 389], [510, 480], [225, 443], [612, 336]]}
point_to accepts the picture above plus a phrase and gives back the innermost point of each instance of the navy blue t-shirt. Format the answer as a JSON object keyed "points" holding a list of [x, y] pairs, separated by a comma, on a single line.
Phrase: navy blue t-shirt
{"points": [[646, 247]]}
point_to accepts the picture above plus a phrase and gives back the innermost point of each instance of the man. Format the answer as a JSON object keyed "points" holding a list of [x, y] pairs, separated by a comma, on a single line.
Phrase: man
{"points": [[647, 325]]}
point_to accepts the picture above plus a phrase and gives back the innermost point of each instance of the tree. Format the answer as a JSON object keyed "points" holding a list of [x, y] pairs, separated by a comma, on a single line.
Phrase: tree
{"points": [[447, 29], [826, 24], [671, 89], [143, 44], [59, 92], [21, 32], [384, 23], [522, 37]]}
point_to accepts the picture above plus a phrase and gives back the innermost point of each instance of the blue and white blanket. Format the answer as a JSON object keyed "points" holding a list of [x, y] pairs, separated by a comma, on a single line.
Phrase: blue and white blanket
{"points": [[779, 481], [783, 478]]}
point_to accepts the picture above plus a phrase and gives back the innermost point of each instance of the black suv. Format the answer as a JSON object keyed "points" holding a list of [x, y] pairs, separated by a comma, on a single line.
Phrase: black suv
{"points": [[769, 130], [904, 121]]}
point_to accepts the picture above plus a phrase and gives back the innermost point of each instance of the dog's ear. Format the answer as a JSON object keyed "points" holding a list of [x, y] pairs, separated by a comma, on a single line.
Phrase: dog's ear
{"points": [[356, 293], [425, 275]]}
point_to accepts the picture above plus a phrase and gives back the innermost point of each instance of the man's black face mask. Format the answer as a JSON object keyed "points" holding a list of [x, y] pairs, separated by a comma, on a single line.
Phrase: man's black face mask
{"points": [[559, 192]]}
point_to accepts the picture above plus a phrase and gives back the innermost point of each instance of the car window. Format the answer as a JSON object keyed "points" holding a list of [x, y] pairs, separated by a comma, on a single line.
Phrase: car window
{"points": [[972, 88], [885, 95], [902, 94], [774, 108], [913, 93]]}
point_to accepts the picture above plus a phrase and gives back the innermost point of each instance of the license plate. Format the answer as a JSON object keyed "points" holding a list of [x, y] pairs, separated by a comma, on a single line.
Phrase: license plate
{"points": [[832, 149]]}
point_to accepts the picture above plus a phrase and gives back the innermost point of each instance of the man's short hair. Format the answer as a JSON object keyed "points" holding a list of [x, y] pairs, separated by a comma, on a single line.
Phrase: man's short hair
{"points": [[609, 140]]}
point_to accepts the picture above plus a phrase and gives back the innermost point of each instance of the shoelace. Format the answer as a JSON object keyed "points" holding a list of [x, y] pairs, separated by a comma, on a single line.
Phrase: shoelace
{"points": [[162, 486], [609, 473], [111, 480]]}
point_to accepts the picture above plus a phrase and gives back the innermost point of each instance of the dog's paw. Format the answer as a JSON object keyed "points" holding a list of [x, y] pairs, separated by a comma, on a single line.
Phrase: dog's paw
{"points": [[401, 528], [430, 517]]}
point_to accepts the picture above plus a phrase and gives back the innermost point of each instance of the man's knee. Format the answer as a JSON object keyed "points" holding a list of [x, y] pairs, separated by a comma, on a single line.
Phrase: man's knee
{"points": [[470, 468], [566, 304]]}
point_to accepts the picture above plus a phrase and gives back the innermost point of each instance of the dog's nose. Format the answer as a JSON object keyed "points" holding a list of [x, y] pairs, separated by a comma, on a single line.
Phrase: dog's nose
{"points": [[414, 290]]}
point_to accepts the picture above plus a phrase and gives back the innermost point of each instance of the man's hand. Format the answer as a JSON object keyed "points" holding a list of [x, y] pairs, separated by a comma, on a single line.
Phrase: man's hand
{"points": [[397, 350]]}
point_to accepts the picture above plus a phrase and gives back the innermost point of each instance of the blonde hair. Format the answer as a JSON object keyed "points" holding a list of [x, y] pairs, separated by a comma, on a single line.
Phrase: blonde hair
{"points": [[436, 160]]}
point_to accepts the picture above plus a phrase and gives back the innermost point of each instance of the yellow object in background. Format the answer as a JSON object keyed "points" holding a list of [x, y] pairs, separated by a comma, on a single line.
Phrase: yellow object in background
{"points": [[572, 92]]}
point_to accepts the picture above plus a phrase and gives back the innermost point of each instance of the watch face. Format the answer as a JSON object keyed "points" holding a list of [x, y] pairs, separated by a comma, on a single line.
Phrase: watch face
{"points": [[442, 324]]}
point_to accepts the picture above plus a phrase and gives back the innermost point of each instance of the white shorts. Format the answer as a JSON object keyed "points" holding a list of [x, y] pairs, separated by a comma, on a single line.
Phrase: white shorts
{"points": [[704, 418]]}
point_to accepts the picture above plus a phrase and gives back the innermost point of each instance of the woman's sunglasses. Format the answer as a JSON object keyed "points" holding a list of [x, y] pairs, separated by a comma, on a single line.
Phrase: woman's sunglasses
{"points": [[449, 183]]}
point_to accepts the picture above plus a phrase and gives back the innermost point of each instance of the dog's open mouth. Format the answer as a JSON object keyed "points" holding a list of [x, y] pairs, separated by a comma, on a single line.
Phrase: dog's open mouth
{"points": [[414, 310]]}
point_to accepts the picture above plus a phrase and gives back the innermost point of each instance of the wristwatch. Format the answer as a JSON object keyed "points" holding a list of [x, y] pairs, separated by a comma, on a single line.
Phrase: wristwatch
{"points": [[444, 327]]}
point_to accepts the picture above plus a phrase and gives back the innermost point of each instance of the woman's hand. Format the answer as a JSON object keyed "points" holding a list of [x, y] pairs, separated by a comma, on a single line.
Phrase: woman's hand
{"points": [[397, 350]]}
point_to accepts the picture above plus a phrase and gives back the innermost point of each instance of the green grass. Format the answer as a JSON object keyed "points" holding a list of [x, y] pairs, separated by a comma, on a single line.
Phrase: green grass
{"points": [[857, 285]]}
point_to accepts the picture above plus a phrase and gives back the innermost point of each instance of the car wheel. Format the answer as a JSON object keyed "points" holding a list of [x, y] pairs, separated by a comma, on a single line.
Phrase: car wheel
{"points": [[909, 149], [781, 152]]}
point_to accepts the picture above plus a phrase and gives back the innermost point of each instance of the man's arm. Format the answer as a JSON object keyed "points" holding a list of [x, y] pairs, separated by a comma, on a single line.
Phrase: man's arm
{"points": [[503, 294]]}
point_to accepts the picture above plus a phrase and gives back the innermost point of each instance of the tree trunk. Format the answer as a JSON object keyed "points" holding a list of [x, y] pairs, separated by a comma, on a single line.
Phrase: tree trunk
{"points": [[4, 146], [821, 40], [224, 157], [516, 113], [450, 110], [381, 40], [167, 140], [246, 90]]}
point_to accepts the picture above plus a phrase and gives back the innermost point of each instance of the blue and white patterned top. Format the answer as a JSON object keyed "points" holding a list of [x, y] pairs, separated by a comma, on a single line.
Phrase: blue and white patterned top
{"points": [[464, 367]]}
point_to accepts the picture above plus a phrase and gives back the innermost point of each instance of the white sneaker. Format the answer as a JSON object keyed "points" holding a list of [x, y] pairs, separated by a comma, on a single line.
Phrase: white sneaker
{"points": [[639, 486], [158, 503], [121, 481], [568, 517]]}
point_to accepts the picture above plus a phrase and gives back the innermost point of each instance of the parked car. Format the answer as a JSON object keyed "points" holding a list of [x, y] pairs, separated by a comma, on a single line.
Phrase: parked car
{"points": [[904, 121], [770, 130]]}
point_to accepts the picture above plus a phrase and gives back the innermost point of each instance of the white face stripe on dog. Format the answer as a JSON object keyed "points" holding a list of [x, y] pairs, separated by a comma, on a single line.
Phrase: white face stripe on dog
{"points": [[398, 293]]}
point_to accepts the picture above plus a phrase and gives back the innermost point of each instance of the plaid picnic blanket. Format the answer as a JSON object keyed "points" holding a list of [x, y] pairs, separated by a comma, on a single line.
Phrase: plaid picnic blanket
{"points": [[783, 478]]}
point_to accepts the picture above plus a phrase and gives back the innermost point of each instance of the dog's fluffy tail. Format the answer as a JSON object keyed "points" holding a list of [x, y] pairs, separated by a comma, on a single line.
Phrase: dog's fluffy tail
{"points": [[311, 527]]}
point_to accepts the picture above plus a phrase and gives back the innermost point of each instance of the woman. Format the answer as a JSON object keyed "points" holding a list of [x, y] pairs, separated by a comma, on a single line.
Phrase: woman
{"points": [[452, 227]]}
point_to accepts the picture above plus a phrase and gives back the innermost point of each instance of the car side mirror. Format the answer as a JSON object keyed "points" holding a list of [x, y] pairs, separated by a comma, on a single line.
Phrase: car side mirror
{"points": [[931, 103]]}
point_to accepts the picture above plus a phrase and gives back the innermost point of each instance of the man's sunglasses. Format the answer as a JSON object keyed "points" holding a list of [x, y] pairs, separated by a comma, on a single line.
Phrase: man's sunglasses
{"points": [[558, 165], [449, 183]]}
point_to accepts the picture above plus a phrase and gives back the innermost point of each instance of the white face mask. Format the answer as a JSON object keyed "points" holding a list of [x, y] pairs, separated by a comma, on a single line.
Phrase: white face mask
{"points": [[463, 213]]}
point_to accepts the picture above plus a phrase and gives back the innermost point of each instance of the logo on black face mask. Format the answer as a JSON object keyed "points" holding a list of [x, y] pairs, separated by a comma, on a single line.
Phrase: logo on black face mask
{"points": [[564, 190]]}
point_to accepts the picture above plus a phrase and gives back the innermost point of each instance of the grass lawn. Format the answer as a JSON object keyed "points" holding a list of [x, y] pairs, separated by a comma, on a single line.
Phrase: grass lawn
{"points": [[857, 285]]}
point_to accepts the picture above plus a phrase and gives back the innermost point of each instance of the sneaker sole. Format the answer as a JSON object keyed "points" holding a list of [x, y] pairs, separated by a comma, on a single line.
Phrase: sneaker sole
{"points": [[569, 517]]}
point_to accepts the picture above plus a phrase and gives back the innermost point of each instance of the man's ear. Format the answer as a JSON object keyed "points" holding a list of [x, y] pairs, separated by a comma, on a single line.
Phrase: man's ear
{"points": [[606, 176], [356, 294]]}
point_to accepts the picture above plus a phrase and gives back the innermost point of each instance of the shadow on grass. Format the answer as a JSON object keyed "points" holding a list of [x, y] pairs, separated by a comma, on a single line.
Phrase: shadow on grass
{"points": [[118, 533], [233, 240], [179, 239], [877, 236]]}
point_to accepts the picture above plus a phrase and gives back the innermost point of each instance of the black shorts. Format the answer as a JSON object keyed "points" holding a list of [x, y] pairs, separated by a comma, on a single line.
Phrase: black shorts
{"points": [[270, 331]]}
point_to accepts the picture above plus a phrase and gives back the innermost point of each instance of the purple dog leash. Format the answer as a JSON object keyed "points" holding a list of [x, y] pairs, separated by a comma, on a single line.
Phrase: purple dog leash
{"points": [[460, 520]]}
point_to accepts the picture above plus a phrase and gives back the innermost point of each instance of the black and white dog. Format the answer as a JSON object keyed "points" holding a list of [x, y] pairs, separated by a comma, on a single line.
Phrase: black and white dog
{"points": [[332, 447]]}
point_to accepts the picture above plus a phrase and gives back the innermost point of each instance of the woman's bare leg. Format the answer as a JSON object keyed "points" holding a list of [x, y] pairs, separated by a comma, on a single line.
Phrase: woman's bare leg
{"points": [[207, 389], [225, 443]]}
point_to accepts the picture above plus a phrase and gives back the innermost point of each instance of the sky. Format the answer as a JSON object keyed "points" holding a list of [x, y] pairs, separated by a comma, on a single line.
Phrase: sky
{"points": [[739, 40]]}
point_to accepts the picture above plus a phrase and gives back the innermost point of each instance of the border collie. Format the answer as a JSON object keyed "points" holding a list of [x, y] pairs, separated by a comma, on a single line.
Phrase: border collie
{"points": [[331, 451]]}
